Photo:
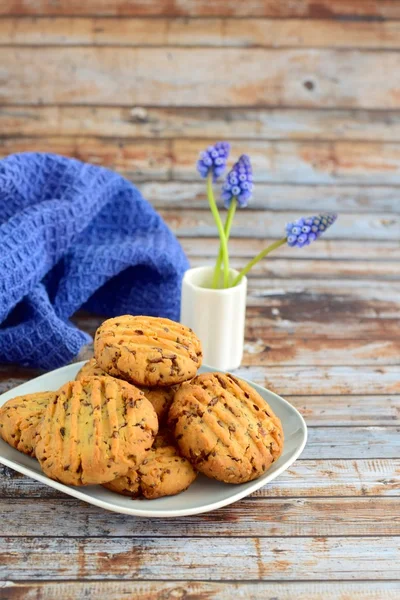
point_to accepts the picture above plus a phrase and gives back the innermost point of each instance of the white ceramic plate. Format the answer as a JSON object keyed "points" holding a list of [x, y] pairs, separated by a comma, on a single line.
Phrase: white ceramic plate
{"points": [[203, 496]]}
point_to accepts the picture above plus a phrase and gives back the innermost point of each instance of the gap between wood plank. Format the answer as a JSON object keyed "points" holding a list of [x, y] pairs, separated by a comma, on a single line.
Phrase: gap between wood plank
{"points": [[333, 582], [220, 31], [198, 537], [219, 108], [166, 47], [132, 139], [222, 107]]}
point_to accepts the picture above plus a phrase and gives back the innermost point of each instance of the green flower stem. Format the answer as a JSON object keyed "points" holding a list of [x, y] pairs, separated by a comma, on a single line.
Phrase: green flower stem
{"points": [[218, 222], [228, 225], [257, 258]]}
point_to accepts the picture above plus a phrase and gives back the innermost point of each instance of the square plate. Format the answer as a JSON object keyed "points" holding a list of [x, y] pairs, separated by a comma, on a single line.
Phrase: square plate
{"points": [[202, 496]]}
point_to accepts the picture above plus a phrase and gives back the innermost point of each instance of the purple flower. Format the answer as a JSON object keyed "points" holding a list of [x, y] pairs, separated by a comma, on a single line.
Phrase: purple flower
{"points": [[213, 160], [308, 229], [238, 183]]}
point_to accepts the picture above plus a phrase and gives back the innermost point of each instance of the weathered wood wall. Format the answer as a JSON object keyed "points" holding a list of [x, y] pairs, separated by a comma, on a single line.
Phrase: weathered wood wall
{"points": [[316, 101], [311, 89]]}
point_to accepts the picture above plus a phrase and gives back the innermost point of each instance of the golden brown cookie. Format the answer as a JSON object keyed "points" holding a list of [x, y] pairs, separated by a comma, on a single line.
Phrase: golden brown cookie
{"points": [[90, 369], [20, 417], [128, 485], [148, 351], [94, 431], [225, 428], [160, 397], [163, 473]]}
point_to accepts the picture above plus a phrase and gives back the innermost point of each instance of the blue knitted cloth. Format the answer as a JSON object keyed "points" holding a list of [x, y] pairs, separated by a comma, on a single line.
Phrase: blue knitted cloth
{"points": [[74, 235]]}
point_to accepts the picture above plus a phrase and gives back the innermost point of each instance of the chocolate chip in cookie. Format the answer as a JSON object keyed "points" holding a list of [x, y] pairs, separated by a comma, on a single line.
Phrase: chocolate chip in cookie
{"points": [[147, 351], [225, 428], [94, 431]]}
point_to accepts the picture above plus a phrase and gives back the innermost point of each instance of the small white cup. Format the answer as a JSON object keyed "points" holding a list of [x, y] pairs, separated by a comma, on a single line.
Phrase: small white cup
{"points": [[216, 316]]}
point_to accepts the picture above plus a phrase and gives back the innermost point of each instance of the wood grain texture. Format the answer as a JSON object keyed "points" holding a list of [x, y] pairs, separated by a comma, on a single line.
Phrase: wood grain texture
{"points": [[263, 224], [335, 291], [197, 32], [281, 162], [274, 162], [311, 90], [195, 590], [284, 268], [352, 443], [241, 559], [324, 477], [268, 327], [289, 380], [174, 8], [207, 123], [259, 517], [347, 249], [305, 478], [138, 159], [322, 352], [263, 77], [304, 162], [248, 247], [339, 197], [348, 410]]}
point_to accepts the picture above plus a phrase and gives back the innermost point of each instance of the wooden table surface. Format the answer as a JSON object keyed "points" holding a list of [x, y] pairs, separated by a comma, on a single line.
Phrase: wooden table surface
{"points": [[327, 338], [311, 90]]}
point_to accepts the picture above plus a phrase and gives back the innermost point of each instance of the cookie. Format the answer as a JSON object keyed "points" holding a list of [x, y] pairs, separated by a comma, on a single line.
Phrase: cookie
{"points": [[20, 417], [164, 472], [225, 428], [128, 485], [147, 351], [94, 431], [90, 369], [161, 398]]}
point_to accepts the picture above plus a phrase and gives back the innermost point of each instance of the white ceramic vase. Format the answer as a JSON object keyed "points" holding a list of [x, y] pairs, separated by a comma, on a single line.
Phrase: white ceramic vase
{"points": [[216, 316]]}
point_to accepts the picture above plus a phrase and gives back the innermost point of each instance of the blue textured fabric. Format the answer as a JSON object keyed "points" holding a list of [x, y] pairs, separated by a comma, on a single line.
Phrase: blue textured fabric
{"points": [[73, 235]]}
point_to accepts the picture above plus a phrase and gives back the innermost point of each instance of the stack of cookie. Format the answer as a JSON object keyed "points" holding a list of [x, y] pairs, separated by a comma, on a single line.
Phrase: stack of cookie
{"points": [[140, 421]]}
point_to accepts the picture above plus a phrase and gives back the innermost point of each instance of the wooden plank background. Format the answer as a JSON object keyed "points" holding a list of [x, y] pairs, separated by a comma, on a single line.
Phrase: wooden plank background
{"points": [[311, 90]]}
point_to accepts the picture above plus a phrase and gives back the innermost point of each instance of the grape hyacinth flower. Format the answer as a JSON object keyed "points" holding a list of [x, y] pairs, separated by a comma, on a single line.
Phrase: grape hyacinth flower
{"points": [[213, 160], [236, 190], [239, 183], [211, 164], [299, 234], [307, 230]]}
